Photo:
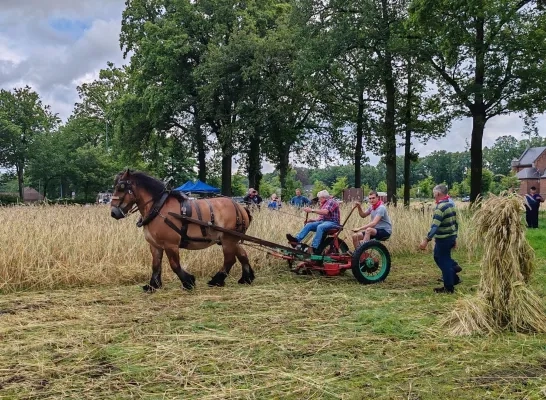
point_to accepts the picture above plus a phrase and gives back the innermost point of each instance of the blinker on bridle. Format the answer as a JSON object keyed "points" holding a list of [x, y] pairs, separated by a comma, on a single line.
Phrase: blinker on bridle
{"points": [[126, 187]]}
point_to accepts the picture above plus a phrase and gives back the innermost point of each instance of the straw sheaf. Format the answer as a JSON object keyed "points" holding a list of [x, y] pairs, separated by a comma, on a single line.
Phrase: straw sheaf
{"points": [[503, 302]]}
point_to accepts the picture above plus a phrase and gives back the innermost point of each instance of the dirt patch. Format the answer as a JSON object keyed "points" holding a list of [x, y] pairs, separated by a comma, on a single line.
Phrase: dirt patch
{"points": [[517, 373], [102, 368], [18, 306]]}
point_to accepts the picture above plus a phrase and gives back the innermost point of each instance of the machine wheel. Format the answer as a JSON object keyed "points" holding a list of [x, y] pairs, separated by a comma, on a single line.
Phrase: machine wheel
{"points": [[371, 262], [328, 246]]}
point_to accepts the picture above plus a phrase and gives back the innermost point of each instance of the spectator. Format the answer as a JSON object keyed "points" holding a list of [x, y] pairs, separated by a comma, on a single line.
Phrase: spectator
{"points": [[299, 201], [274, 203], [444, 230], [533, 200], [252, 198]]}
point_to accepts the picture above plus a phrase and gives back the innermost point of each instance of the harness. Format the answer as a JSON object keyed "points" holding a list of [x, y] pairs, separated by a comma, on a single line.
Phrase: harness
{"points": [[186, 212]]}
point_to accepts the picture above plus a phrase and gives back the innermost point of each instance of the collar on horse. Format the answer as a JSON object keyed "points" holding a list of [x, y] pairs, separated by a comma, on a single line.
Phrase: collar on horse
{"points": [[154, 212]]}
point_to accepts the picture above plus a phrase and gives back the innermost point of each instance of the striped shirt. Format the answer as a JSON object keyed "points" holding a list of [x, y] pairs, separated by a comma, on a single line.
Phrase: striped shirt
{"points": [[333, 211], [444, 221]]}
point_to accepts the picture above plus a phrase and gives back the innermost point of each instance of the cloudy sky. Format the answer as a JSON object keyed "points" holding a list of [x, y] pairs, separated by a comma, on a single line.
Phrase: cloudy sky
{"points": [[56, 45]]}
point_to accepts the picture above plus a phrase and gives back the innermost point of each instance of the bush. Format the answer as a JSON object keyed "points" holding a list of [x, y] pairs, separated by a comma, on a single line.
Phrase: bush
{"points": [[8, 198]]}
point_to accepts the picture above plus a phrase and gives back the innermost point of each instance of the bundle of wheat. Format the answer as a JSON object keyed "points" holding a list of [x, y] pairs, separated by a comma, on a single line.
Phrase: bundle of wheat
{"points": [[504, 301]]}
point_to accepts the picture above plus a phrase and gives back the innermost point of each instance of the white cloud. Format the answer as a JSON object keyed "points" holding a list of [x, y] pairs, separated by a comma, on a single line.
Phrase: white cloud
{"points": [[55, 59]]}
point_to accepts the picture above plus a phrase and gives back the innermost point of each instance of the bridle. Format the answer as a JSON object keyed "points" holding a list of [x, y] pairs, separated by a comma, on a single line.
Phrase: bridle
{"points": [[126, 186]]}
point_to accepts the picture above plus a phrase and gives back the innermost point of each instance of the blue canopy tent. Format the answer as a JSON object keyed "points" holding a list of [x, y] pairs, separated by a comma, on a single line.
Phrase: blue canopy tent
{"points": [[197, 187], [185, 187]]}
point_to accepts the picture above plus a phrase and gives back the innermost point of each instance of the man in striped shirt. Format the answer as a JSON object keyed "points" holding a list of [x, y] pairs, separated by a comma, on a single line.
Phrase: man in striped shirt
{"points": [[444, 230]]}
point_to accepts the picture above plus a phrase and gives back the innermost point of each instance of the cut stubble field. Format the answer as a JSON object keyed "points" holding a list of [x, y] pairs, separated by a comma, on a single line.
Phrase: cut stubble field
{"points": [[75, 324]]}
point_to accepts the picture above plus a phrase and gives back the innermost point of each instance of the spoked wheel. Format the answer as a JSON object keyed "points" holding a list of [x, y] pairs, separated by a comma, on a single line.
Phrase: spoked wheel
{"points": [[371, 262], [329, 247]]}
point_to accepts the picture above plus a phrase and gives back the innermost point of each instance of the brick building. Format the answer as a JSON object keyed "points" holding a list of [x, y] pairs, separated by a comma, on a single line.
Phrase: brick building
{"points": [[530, 169]]}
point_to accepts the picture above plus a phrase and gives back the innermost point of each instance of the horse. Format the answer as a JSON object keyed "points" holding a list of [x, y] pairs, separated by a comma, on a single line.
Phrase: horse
{"points": [[157, 206]]}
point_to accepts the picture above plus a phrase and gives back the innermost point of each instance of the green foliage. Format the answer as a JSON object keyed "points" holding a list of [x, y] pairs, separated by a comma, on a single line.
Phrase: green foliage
{"points": [[366, 189], [318, 186], [23, 118], [8, 198], [487, 181], [239, 185], [339, 185], [425, 187], [381, 186], [502, 183]]}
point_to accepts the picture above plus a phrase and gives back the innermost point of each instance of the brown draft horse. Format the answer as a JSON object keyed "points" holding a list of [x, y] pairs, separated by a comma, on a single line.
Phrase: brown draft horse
{"points": [[166, 234]]}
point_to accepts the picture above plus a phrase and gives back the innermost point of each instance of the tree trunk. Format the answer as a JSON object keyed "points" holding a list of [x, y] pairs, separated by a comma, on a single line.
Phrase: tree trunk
{"points": [[226, 169], [390, 135], [283, 169], [254, 161], [201, 150], [390, 93], [476, 155], [478, 114], [407, 144], [359, 134], [20, 181]]}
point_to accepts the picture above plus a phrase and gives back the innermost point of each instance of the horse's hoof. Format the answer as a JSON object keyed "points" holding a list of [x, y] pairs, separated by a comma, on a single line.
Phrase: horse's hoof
{"points": [[149, 289], [213, 283], [190, 283], [243, 281]]}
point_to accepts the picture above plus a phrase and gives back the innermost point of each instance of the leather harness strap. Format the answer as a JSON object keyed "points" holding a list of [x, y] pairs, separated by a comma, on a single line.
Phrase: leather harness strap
{"points": [[154, 212]]}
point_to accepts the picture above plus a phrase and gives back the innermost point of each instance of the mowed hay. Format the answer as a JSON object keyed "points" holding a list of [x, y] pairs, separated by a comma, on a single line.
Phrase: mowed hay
{"points": [[46, 247], [504, 301]]}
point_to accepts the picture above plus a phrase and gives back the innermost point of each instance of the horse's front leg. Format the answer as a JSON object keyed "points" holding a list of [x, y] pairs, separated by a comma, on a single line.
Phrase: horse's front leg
{"points": [[155, 280], [230, 250], [248, 272], [187, 279]]}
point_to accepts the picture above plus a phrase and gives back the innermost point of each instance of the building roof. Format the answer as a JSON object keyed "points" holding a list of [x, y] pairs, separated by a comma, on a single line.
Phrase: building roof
{"points": [[530, 155], [528, 173]]}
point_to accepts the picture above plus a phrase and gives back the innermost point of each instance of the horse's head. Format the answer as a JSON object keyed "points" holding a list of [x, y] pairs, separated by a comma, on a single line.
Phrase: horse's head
{"points": [[124, 196]]}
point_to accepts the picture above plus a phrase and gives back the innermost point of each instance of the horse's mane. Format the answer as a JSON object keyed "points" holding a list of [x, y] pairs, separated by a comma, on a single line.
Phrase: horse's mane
{"points": [[152, 185]]}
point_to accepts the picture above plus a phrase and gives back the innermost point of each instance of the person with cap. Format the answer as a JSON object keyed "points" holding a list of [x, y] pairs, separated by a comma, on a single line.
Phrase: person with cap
{"points": [[252, 198], [533, 200], [328, 218]]}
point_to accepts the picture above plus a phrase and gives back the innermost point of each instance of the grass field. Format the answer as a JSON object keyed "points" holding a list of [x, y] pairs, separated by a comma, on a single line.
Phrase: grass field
{"points": [[82, 328]]}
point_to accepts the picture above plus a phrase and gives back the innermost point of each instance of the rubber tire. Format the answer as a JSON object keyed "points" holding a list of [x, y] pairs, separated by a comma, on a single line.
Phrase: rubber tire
{"points": [[355, 262], [329, 241]]}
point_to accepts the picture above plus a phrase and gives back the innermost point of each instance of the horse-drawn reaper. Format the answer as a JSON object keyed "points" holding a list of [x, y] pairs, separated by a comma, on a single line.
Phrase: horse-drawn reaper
{"points": [[171, 220]]}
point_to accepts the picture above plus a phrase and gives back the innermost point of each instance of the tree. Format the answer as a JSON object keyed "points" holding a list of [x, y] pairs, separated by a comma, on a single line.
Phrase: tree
{"points": [[318, 186], [23, 117], [338, 186], [499, 156], [239, 185], [489, 54]]}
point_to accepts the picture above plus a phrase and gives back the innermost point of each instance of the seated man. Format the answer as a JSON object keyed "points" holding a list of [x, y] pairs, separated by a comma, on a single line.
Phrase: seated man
{"points": [[252, 198], [380, 226], [274, 203], [329, 217]]}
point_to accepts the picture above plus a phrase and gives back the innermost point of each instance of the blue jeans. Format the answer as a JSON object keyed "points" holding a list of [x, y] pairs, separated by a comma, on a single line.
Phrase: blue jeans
{"points": [[319, 227], [442, 257]]}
